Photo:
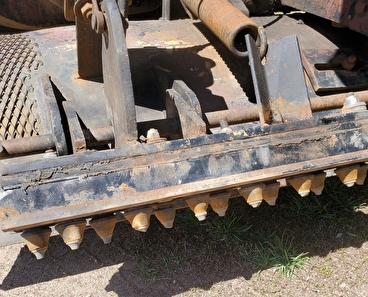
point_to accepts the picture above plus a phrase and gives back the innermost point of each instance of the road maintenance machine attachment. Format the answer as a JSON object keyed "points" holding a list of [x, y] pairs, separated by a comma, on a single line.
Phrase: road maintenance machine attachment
{"points": [[140, 108]]}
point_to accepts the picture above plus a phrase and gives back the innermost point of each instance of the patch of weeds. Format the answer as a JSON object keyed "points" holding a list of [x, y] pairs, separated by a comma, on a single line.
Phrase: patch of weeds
{"points": [[311, 206], [229, 226], [146, 271], [170, 261], [279, 253]]}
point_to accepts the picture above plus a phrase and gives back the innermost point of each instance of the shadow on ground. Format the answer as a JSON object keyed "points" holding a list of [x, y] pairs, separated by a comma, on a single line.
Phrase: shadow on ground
{"points": [[165, 262]]}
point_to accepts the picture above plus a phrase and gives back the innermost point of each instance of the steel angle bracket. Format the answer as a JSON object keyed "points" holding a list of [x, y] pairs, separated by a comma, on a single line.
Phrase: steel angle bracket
{"points": [[279, 85]]}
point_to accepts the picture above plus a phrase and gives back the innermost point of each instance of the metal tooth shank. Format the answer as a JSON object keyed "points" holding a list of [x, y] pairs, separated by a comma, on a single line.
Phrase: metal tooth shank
{"points": [[166, 216], [271, 192], [140, 220], [220, 203], [318, 183], [362, 174], [104, 227], [37, 240], [199, 206], [348, 175], [302, 184], [72, 232], [253, 195]]}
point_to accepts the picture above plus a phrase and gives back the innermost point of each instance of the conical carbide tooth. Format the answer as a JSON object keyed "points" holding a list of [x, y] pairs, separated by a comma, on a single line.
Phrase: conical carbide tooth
{"points": [[140, 220], [348, 175], [318, 183], [220, 203], [199, 206], [37, 240], [302, 184], [166, 216], [253, 194], [72, 232], [271, 192], [104, 227], [362, 174]]}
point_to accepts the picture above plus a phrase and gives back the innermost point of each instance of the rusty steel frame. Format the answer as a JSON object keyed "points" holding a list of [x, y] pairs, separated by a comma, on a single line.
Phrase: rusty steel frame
{"points": [[141, 175], [351, 13], [277, 138]]}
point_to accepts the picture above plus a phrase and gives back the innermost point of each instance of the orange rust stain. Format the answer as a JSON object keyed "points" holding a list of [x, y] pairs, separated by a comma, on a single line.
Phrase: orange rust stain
{"points": [[6, 213]]}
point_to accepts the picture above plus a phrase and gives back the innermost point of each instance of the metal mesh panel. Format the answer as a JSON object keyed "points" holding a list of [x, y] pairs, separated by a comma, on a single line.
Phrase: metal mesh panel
{"points": [[18, 110]]}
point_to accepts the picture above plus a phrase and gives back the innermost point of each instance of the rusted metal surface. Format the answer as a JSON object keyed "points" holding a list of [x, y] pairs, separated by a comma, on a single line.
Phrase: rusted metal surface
{"points": [[34, 144], [30, 15], [351, 13], [286, 83], [89, 45], [226, 22], [259, 83], [194, 169], [182, 103], [331, 70], [117, 77], [77, 136]]}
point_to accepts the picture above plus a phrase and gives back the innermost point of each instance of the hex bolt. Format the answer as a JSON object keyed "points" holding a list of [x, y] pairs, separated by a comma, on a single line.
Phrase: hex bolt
{"points": [[49, 154], [154, 136], [86, 11], [225, 126], [353, 104]]}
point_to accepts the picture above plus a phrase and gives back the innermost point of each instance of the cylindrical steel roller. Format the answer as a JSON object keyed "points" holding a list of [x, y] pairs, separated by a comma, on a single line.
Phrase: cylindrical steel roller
{"points": [[226, 22]]}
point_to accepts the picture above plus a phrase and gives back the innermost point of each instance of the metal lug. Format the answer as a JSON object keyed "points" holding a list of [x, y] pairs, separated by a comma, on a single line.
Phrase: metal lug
{"points": [[253, 195], [362, 174], [37, 240], [318, 183], [302, 184], [348, 175], [270, 193], [72, 232], [199, 206], [104, 227], [166, 217], [140, 220], [220, 203]]}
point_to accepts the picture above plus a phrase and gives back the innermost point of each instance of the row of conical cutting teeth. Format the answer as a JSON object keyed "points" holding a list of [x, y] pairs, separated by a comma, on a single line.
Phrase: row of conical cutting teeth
{"points": [[72, 231]]}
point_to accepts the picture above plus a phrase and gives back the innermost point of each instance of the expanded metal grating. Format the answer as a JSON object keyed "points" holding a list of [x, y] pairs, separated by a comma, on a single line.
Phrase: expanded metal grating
{"points": [[18, 111]]}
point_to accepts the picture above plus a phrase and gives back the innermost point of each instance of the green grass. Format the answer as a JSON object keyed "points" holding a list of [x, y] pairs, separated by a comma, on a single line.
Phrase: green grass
{"points": [[170, 261], [281, 253], [146, 271]]}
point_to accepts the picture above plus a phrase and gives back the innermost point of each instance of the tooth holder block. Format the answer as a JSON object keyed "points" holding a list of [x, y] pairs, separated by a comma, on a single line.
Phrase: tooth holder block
{"points": [[38, 191]]}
